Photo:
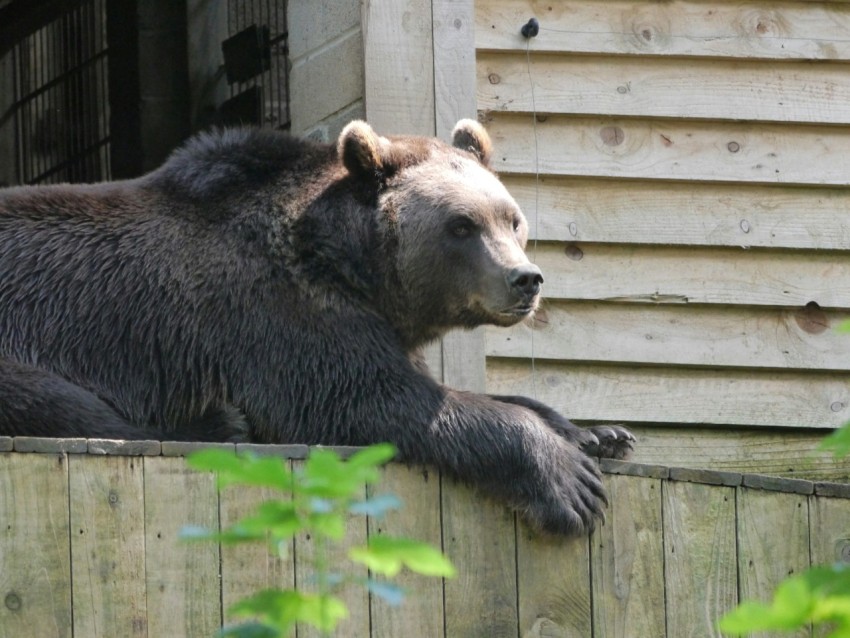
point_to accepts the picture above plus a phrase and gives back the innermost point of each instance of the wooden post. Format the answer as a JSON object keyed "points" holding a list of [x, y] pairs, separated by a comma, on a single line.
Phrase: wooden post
{"points": [[35, 557], [182, 577], [108, 546], [627, 558], [699, 557], [421, 614], [454, 98], [420, 79]]}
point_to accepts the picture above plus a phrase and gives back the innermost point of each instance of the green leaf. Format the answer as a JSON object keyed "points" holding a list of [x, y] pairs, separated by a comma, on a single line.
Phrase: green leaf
{"points": [[229, 536], [844, 326], [386, 555], [328, 525], [214, 460], [818, 595], [197, 533], [244, 469], [376, 506], [248, 630], [838, 442], [372, 456], [281, 609], [392, 594], [326, 476]]}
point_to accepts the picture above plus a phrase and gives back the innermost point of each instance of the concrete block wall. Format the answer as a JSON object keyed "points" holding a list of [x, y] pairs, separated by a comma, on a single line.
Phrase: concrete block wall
{"points": [[326, 56]]}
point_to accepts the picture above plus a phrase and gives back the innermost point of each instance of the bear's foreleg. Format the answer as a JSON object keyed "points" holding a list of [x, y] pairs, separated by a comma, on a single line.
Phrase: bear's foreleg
{"points": [[605, 441], [506, 450]]}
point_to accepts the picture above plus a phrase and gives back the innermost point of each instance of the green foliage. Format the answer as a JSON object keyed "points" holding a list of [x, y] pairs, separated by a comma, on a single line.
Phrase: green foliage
{"points": [[838, 442], [317, 500], [820, 595]]}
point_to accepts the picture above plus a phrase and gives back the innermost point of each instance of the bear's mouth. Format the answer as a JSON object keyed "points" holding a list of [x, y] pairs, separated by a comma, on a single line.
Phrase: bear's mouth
{"points": [[520, 311]]}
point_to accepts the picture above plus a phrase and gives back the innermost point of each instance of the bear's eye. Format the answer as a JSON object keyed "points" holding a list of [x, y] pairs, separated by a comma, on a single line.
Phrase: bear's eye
{"points": [[516, 223], [461, 228]]}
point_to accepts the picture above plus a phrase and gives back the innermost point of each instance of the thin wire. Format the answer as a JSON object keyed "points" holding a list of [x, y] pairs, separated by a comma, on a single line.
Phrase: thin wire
{"points": [[536, 199], [706, 38]]}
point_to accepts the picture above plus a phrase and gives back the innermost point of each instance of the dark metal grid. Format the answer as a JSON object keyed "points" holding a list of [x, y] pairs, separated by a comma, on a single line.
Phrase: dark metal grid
{"points": [[62, 100], [274, 83]]}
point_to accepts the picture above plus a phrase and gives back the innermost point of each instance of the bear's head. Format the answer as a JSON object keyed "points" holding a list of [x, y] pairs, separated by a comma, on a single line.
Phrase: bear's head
{"points": [[459, 237]]}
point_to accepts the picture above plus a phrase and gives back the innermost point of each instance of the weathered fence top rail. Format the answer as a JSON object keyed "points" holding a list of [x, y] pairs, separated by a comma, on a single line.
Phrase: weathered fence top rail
{"points": [[89, 547]]}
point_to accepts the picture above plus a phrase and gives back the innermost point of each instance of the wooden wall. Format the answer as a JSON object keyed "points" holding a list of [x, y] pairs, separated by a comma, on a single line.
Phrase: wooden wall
{"points": [[684, 167], [89, 548]]}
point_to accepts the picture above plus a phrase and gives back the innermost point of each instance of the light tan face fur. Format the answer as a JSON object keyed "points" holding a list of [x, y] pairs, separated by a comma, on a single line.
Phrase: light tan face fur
{"points": [[461, 233]]}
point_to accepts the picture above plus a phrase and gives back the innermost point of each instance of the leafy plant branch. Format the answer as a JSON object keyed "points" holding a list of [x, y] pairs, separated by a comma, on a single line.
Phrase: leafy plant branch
{"points": [[316, 499]]}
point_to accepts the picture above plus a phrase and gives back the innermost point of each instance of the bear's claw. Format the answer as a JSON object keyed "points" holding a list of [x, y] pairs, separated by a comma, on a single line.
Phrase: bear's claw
{"points": [[612, 442]]}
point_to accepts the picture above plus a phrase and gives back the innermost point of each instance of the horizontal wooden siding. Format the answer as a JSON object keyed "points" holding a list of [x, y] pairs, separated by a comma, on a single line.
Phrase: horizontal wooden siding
{"points": [[685, 168]]}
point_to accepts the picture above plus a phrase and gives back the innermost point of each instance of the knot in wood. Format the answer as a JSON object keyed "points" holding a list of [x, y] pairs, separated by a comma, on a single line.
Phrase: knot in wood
{"points": [[12, 601], [612, 135], [574, 252], [494, 78], [733, 147], [812, 319]]}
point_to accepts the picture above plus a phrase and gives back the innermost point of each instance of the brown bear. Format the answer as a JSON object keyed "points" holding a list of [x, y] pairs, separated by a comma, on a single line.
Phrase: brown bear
{"points": [[263, 288]]}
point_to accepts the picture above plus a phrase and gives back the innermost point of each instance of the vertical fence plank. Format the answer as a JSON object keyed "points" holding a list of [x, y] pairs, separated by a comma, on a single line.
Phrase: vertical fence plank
{"points": [[627, 558], [250, 567], [421, 613], [108, 546], [335, 558], [398, 58], [553, 585], [399, 62], [182, 578], [767, 556], [700, 562], [35, 568], [479, 536], [454, 63], [454, 98], [829, 520]]}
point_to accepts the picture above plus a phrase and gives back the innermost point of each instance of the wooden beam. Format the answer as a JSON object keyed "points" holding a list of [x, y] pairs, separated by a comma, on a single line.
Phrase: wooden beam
{"points": [[680, 275], [35, 554], [398, 43], [649, 148], [741, 29], [656, 87], [625, 211], [678, 396], [680, 335], [454, 98]]}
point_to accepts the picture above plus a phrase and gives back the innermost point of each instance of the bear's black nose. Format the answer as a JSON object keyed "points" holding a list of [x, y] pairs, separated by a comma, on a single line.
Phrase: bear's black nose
{"points": [[525, 280]]}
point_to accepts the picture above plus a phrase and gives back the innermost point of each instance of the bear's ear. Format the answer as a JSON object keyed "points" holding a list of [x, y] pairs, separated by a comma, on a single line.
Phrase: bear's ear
{"points": [[470, 136], [359, 148]]}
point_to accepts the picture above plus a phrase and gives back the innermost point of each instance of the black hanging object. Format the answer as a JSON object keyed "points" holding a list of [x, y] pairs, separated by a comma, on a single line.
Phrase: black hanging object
{"points": [[530, 28], [247, 54]]}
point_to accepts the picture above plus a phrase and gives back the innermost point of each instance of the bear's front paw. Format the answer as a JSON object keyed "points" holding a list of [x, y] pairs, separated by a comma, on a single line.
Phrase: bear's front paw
{"points": [[612, 442], [574, 498]]}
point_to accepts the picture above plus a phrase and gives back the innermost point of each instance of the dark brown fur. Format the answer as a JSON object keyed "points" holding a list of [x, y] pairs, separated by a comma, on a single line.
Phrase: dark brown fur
{"points": [[261, 288]]}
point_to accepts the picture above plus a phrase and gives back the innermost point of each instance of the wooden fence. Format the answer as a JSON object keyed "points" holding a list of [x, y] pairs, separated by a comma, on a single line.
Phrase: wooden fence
{"points": [[89, 547]]}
